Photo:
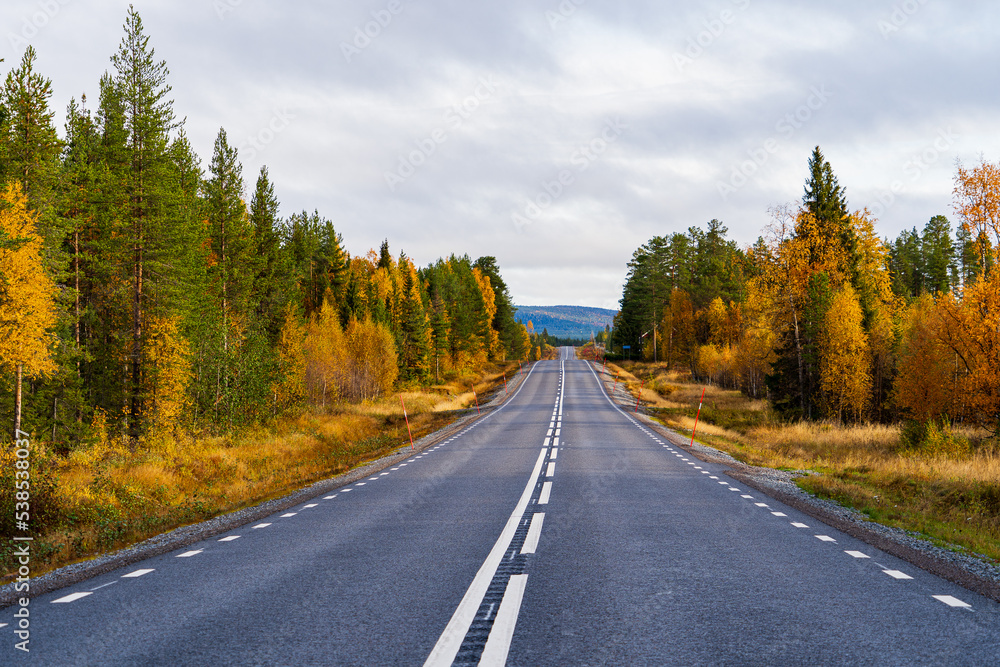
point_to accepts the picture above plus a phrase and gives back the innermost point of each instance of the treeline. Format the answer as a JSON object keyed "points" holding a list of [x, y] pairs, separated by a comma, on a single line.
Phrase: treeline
{"points": [[827, 320], [140, 294]]}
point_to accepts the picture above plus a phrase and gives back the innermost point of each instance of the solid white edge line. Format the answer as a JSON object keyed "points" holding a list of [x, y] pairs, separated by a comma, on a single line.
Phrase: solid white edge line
{"points": [[543, 499], [498, 644], [534, 532], [451, 639]]}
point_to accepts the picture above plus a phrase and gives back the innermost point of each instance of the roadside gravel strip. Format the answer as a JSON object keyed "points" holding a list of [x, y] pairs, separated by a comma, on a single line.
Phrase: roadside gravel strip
{"points": [[185, 535], [964, 569]]}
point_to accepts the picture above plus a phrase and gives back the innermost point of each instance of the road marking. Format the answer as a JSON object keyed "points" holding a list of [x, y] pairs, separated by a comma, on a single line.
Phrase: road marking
{"points": [[543, 499], [551, 471], [558, 430], [747, 497], [230, 538], [697, 467], [896, 574], [261, 525], [545, 443], [188, 554], [733, 488], [73, 597], [799, 525], [761, 504], [825, 538], [713, 477], [290, 514], [857, 554], [722, 483], [383, 474], [3, 625], [548, 434], [705, 472], [555, 441], [451, 639], [498, 644], [373, 479], [779, 514], [137, 573], [110, 583], [394, 469], [947, 599], [330, 497], [555, 454], [534, 532], [310, 505]]}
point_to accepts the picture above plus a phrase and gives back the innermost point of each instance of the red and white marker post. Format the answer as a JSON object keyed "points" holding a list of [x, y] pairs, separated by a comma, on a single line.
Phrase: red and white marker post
{"points": [[697, 415], [476, 396], [505, 391], [407, 420], [641, 383]]}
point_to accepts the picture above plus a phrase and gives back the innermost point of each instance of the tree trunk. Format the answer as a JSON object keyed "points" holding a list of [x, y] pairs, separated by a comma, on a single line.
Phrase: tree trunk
{"points": [[135, 409], [17, 400]]}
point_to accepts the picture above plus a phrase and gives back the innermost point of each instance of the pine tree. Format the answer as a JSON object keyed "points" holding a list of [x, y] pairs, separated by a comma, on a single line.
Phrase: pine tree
{"points": [[141, 86], [28, 312], [270, 291], [938, 251], [825, 199]]}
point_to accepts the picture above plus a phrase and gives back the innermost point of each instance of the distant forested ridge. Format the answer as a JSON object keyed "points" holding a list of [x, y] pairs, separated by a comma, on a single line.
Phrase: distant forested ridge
{"points": [[577, 322], [142, 292]]}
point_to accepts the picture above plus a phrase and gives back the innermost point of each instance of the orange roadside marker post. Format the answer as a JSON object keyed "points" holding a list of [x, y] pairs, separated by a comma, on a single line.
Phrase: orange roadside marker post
{"points": [[641, 383], [476, 396], [697, 415], [407, 420], [505, 391]]}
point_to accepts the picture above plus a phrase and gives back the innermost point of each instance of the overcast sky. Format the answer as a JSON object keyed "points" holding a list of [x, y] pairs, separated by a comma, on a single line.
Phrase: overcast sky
{"points": [[557, 136]]}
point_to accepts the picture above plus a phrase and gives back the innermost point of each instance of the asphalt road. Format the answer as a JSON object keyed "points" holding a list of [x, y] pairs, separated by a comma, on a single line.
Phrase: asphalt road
{"points": [[554, 531]]}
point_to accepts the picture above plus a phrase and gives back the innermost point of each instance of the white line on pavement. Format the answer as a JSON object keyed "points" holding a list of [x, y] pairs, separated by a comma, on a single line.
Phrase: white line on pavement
{"points": [[498, 644], [534, 532]]}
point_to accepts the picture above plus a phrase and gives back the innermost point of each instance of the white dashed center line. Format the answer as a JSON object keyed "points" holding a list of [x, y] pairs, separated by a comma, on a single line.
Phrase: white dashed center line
{"points": [[290, 514], [779, 514], [857, 554], [188, 554], [799, 525], [311, 505], [73, 597], [896, 574], [551, 471], [261, 525], [825, 538], [230, 538], [543, 499], [534, 532]]}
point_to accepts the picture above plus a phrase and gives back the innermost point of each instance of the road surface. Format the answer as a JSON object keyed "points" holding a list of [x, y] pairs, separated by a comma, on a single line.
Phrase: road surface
{"points": [[556, 530]]}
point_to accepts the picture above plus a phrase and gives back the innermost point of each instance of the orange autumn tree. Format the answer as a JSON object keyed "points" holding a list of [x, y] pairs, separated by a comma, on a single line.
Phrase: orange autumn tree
{"points": [[925, 385], [977, 203], [27, 302], [845, 355]]}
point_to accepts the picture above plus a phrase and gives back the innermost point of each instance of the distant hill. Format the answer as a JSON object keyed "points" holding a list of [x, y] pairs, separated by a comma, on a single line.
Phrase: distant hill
{"points": [[566, 321]]}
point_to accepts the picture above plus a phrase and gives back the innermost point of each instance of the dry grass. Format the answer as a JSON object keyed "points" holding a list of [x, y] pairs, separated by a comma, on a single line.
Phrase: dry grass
{"points": [[950, 494], [106, 496]]}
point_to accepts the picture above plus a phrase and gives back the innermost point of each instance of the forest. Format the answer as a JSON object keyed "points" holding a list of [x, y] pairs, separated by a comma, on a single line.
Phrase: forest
{"points": [[826, 320], [142, 295]]}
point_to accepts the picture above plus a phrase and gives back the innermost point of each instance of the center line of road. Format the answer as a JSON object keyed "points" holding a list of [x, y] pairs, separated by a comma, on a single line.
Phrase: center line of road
{"points": [[447, 646], [188, 554], [543, 499], [73, 597], [534, 532], [136, 574], [498, 645]]}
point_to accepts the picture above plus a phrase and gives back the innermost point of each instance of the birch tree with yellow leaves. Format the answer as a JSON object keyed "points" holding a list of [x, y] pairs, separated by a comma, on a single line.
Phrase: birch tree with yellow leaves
{"points": [[27, 307]]}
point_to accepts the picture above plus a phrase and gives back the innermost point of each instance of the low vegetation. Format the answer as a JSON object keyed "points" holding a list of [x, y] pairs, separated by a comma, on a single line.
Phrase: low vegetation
{"points": [[939, 480]]}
